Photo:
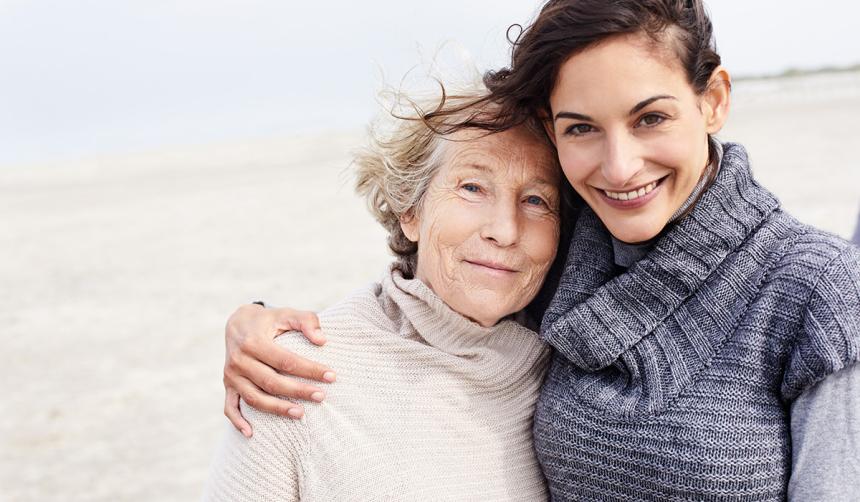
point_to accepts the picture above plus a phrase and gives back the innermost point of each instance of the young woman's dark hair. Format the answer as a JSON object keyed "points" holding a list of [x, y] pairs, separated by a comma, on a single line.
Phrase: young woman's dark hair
{"points": [[566, 27]]}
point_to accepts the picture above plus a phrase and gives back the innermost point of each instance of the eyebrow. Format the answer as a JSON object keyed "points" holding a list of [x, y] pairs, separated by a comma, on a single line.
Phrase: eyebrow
{"points": [[476, 166], [636, 108], [544, 182], [538, 180], [642, 104], [573, 116]]}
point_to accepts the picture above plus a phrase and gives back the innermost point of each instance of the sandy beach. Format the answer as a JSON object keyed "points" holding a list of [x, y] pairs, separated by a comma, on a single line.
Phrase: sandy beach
{"points": [[118, 273]]}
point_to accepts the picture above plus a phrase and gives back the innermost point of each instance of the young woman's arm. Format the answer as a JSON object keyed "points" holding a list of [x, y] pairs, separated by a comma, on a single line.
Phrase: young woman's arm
{"points": [[825, 439], [253, 362], [825, 387]]}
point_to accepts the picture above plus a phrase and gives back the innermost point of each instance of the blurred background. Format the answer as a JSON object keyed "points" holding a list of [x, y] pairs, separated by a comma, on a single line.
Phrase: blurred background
{"points": [[163, 162]]}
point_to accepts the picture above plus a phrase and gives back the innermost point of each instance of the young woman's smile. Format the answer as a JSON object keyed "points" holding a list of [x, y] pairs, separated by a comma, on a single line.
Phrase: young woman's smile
{"points": [[635, 197]]}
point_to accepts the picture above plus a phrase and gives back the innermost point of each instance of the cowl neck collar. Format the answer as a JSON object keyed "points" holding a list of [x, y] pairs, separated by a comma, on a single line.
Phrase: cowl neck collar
{"points": [[427, 318], [597, 315]]}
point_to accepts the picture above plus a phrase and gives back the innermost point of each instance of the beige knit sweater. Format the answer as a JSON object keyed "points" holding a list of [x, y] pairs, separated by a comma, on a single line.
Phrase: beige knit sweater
{"points": [[428, 406]]}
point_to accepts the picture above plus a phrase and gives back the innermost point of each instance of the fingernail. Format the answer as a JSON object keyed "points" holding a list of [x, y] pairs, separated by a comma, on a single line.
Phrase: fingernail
{"points": [[246, 433], [295, 412], [329, 376], [318, 396], [319, 334]]}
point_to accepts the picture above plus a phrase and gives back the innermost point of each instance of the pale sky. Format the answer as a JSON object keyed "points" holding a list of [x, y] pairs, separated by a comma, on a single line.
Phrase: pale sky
{"points": [[113, 76]]}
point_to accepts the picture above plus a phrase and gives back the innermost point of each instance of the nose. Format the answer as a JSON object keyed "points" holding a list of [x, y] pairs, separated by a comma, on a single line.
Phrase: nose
{"points": [[621, 160], [501, 225]]}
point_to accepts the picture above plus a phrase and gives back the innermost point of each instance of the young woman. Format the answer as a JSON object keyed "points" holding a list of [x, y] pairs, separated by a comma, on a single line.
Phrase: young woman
{"points": [[707, 343]]}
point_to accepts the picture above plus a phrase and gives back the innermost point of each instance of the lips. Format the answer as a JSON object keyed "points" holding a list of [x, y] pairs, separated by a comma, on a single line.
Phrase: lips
{"points": [[632, 199], [635, 193], [492, 266]]}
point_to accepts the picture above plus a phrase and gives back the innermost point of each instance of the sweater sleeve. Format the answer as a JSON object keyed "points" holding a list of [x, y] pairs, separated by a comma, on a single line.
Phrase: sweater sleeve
{"points": [[825, 439], [830, 337], [265, 467]]}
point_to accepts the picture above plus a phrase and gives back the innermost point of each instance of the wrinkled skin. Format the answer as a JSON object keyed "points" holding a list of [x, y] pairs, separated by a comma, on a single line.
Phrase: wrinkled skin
{"points": [[487, 229]]}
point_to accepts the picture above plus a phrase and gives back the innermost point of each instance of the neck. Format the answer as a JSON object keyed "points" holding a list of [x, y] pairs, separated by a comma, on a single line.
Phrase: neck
{"points": [[438, 325]]}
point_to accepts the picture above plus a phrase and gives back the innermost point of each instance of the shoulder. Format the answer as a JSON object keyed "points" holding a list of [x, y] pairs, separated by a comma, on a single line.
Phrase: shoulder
{"points": [[821, 273], [805, 247], [802, 258], [816, 259], [361, 314]]}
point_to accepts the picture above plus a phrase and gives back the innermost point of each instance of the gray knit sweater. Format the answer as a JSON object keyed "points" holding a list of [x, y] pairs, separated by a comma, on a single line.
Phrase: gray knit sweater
{"points": [[672, 380]]}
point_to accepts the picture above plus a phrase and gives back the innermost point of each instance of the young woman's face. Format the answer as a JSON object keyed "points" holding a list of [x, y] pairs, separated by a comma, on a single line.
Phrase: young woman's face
{"points": [[631, 133]]}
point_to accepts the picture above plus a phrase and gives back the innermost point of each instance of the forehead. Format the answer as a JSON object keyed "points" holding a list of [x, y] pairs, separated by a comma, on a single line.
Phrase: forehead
{"points": [[515, 151], [620, 70]]}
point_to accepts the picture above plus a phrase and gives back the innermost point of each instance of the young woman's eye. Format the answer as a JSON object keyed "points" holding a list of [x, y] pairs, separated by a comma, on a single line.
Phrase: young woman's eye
{"points": [[651, 120], [578, 130]]}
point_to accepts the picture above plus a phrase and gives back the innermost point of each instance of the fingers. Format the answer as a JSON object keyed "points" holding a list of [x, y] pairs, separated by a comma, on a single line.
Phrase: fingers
{"points": [[231, 410], [272, 382], [254, 397], [301, 320], [292, 364]]}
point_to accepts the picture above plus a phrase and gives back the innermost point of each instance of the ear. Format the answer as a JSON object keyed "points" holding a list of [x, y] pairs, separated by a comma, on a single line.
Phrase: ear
{"points": [[409, 225], [717, 100]]}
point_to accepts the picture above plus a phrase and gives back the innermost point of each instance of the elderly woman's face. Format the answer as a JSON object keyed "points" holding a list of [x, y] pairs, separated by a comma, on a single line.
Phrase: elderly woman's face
{"points": [[488, 227]]}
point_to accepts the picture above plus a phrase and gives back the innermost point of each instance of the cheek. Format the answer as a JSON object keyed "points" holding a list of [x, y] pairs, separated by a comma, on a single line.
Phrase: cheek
{"points": [[684, 149], [450, 226], [576, 162], [543, 244], [682, 158]]}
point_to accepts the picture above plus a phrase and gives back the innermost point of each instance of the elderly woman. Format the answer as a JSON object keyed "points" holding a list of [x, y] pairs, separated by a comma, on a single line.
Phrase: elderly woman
{"points": [[474, 221]]}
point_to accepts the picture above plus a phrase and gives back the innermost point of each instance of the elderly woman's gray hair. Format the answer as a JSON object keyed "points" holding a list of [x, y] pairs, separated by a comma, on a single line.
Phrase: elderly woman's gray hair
{"points": [[405, 152]]}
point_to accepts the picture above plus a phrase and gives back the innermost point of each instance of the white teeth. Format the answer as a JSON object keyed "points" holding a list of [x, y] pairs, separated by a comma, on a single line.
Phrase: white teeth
{"points": [[635, 194]]}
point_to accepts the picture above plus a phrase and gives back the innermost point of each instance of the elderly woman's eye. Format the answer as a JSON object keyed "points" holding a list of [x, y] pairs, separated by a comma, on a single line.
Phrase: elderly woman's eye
{"points": [[471, 187], [535, 200]]}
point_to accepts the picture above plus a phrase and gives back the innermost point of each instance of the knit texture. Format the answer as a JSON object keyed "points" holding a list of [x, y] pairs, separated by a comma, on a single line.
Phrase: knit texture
{"points": [[428, 406], [672, 380]]}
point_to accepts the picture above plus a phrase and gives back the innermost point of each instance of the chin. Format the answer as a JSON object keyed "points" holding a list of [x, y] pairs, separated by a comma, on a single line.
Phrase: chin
{"points": [[634, 229], [480, 314], [633, 232]]}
